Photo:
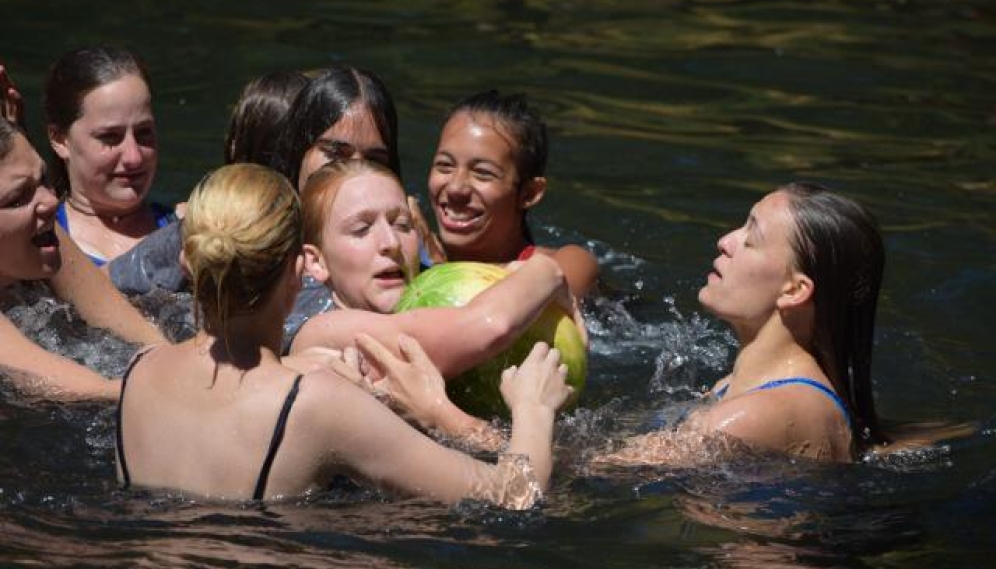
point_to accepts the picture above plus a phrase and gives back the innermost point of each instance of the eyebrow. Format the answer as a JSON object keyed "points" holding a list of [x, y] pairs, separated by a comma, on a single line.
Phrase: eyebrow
{"points": [[753, 227]]}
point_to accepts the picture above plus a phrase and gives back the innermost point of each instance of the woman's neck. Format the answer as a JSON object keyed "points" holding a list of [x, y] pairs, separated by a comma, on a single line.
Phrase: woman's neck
{"points": [[771, 352], [81, 206], [504, 252], [240, 347]]}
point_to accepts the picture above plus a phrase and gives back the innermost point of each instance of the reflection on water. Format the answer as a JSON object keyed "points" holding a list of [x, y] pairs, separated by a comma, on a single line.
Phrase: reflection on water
{"points": [[668, 120]]}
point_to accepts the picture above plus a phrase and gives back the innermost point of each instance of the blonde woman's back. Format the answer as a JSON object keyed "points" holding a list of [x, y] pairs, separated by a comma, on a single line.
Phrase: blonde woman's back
{"points": [[206, 429]]}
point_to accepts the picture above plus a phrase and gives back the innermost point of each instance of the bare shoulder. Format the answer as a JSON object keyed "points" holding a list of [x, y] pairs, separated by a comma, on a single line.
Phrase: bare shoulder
{"points": [[324, 394], [579, 265], [779, 419]]}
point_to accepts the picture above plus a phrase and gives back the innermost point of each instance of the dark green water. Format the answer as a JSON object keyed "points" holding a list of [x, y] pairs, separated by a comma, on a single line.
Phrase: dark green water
{"points": [[669, 119]]}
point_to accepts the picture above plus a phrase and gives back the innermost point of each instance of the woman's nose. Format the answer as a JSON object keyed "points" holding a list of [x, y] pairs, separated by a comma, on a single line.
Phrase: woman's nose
{"points": [[457, 184], [47, 203], [131, 151], [725, 243], [388, 239]]}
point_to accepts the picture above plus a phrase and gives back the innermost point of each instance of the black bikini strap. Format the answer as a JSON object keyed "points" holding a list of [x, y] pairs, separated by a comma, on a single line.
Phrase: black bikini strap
{"points": [[278, 437], [119, 446]]}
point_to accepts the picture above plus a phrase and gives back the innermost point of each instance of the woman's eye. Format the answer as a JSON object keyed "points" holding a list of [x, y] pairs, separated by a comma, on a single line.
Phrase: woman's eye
{"points": [[485, 174], [336, 150], [22, 199], [359, 230], [110, 138], [442, 166], [404, 224], [379, 157], [146, 137]]}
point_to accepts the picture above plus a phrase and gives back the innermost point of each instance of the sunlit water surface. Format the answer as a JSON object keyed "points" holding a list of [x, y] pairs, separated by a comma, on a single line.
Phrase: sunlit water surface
{"points": [[668, 120]]}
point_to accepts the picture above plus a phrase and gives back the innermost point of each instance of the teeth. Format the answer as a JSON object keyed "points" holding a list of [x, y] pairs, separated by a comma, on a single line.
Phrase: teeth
{"points": [[460, 216]]}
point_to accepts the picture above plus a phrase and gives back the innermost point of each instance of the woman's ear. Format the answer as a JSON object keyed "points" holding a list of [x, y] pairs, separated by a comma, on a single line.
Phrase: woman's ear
{"points": [[532, 192], [314, 264], [57, 139], [797, 291]]}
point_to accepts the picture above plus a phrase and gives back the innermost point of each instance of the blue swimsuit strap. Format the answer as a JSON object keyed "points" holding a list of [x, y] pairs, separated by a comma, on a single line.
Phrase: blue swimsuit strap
{"points": [[63, 220], [798, 381]]}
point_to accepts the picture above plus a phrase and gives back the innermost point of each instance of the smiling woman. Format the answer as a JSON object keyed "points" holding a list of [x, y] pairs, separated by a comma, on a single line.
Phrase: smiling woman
{"points": [[98, 106], [488, 172], [32, 250], [359, 241]]}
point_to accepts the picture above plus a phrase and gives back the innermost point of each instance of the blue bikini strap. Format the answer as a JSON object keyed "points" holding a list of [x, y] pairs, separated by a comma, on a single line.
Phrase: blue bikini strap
{"points": [[797, 381], [811, 383]]}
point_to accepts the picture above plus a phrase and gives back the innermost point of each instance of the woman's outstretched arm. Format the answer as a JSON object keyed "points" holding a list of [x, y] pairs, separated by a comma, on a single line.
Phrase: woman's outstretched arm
{"points": [[456, 339], [377, 445], [40, 372], [82, 284]]}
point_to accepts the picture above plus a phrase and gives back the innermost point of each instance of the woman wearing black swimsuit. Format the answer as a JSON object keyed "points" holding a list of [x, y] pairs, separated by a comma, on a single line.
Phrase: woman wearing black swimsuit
{"points": [[222, 416]]}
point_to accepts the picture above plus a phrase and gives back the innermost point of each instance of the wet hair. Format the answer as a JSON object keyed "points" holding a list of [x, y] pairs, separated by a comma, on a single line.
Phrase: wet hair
{"points": [[258, 116], [322, 103], [8, 130], [70, 80], [242, 227], [838, 245], [520, 122], [323, 185]]}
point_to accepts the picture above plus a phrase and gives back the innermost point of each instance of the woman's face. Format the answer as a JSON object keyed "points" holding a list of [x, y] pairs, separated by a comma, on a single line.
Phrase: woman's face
{"points": [[754, 266], [474, 188], [111, 151], [369, 245], [27, 216], [353, 136]]}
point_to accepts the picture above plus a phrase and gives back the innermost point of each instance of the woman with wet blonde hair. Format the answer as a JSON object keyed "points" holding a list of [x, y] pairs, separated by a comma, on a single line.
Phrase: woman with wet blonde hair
{"points": [[232, 237], [222, 415]]}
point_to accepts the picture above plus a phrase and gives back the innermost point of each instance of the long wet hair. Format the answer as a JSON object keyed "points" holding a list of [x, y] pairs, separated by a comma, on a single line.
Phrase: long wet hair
{"points": [[322, 103], [242, 227], [70, 80], [259, 115], [520, 122], [838, 245]]}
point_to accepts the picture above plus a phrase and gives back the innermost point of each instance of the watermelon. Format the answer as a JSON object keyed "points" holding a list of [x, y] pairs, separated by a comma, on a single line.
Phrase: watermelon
{"points": [[477, 391]]}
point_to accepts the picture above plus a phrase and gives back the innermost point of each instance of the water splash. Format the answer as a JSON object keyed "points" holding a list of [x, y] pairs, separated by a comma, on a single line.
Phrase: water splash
{"points": [[55, 326]]}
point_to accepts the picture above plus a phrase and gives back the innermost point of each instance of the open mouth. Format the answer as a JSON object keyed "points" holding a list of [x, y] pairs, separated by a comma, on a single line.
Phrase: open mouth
{"points": [[395, 274], [456, 220], [45, 239]]}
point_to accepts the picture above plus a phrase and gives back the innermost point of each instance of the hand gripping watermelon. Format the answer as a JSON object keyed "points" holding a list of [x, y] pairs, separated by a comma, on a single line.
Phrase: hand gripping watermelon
{"points": [[476, 391]]}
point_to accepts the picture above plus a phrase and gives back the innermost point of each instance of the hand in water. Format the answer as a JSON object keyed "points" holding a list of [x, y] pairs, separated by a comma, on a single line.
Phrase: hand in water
{"points": [[413, 384], [11, 102], [437, 254], [540, 380]]}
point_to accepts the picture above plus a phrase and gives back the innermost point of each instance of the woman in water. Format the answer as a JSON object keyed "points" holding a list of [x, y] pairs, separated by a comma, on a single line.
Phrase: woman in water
{"points": [[259, 115], [488, 172], [798, 283], [33, 250], [360, 242], [342, 114], [219, 415], [98, 108]]}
